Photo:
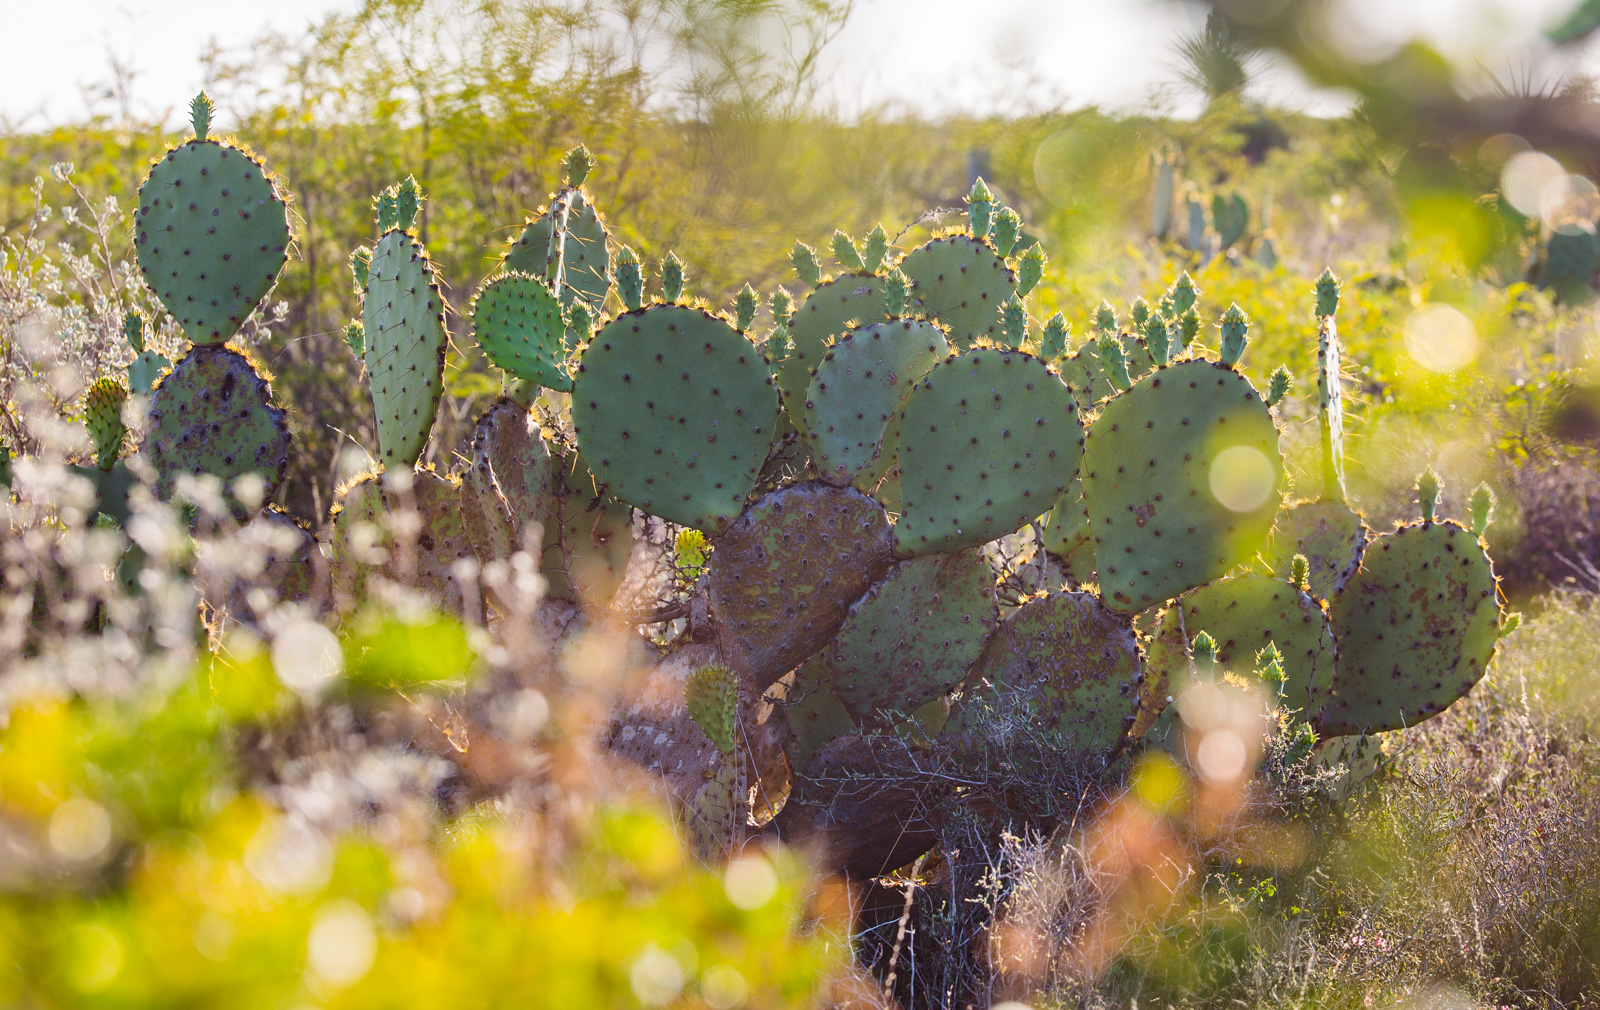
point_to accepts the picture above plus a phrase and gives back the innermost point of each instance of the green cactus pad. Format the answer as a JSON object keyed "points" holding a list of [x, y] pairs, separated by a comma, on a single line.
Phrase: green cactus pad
{"points": [[1246, 612], [519, 324], [832, 310], [1154, 464], [491, 528], [211, 235], [962, 283], [1067, 535], [509, 458], [675, 411], [783, 576], [1328, 533], [1416, 625], [102, 415], [213, 414], [1330, 399], [1166, 672], [1082, 374], [295, 569], [403, 314], [912, 636], [587, 262], [711, 694], [441, 541], [1230, 216], [859, 388], [719, 809], [145, 371], [989, 440], [358, 537], [816, 715], [1065, 664], [588, 537]]}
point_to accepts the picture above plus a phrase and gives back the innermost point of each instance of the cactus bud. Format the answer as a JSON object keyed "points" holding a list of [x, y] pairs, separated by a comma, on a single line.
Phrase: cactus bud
{"points": [[1113, 362], [690, 553], [1030, 270], [355, 337], [980, 209], [408, 201], [805, 264], [845, 251], [1511, 622], [1204, 649], [200, 112], [361, 267], [1105, 318], [712, 696], [782, 307], [579, 163], [133, 331], [1054, 344], [1184, 294], [1278, 386], [1140, 312], [1155, 338], [630, 278], [1013, 322], [1235, 334], [1269, 669], [672, 278], [877, 248], [388, 208], [1481, 507], [1428, 494], [744, 308], [1327, 293], [896, 293], [1300, 573], [1189, 326], [1005, 231]]}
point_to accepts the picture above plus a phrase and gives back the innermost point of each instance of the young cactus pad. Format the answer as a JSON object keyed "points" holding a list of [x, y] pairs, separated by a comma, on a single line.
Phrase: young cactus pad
{"points": [[213, 414], [675, 411], [584, 261], [519, 324], [102, 415], [1417, 625], [1064, 663], [912, 637], [962, 283], [831, 310], [858, 391], [1183, 478], [711, 695], [989, 439], [211, 235], [771, 604], [403, 316]]}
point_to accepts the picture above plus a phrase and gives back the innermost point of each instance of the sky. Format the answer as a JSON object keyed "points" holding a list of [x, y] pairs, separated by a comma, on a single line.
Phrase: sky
{"points": [[927, 56]]}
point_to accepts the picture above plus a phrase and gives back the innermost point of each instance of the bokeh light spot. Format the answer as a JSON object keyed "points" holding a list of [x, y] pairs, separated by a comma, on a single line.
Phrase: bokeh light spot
{"points": [[1525, 178], [723, 987], [80, 829], [1441, 338], [1242, 478], [750, 882], [342, 944], [306, 655]]}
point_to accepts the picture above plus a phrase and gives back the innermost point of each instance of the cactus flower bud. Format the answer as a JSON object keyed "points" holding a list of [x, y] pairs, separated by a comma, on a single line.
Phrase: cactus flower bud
{"points": [[1204, 650], [845, 251], [805, 264], [1054, 344], [1235, 334], [579, 162], [1030, 270], [877, 248], [1269, 669]]}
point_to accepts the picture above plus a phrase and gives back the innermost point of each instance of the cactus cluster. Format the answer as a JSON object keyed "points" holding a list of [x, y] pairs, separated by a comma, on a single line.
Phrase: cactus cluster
{"points": [[837, 489]]}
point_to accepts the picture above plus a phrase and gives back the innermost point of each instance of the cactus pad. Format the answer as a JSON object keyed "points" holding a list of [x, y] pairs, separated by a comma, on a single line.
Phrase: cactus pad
{"points": [[859, 389], [509, 456], [145, 370], [816, 715], [719, 808], [1328, 533], [211, 235], [784, 575], [519, 325], [1064, 663], [989, 440], [711, 695], [1330, 399], [912, 636], [588, 537], [440, 542], [1154, 464], [102, 415], [1416, 624], [830, 311], [962, 283], [1244, 613], [213, 414], [587, 263], [403, 314], [295, 569], [675, 411]]}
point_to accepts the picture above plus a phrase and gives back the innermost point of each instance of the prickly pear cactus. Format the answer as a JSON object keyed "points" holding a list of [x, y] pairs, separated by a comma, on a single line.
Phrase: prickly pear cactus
{"points": [[588, 537], [675, 411], [960, 281], [213, 414], [102, 415], [911, 638], [511, 465], [1065, 664], [1230, 216], [146, 368], [520, 326], [989, 440], [441, 540], [294, 570], [783, 576], [402, 314], [711, 695], [1416, 625], [827, 313], [1329, 536], [816, 715], [579, 252], [1183, 477], [857, 394], [211, 232]]}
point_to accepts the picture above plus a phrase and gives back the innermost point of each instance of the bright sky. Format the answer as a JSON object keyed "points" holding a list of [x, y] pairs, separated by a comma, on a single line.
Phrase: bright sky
{"points": [[929, 55]]}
